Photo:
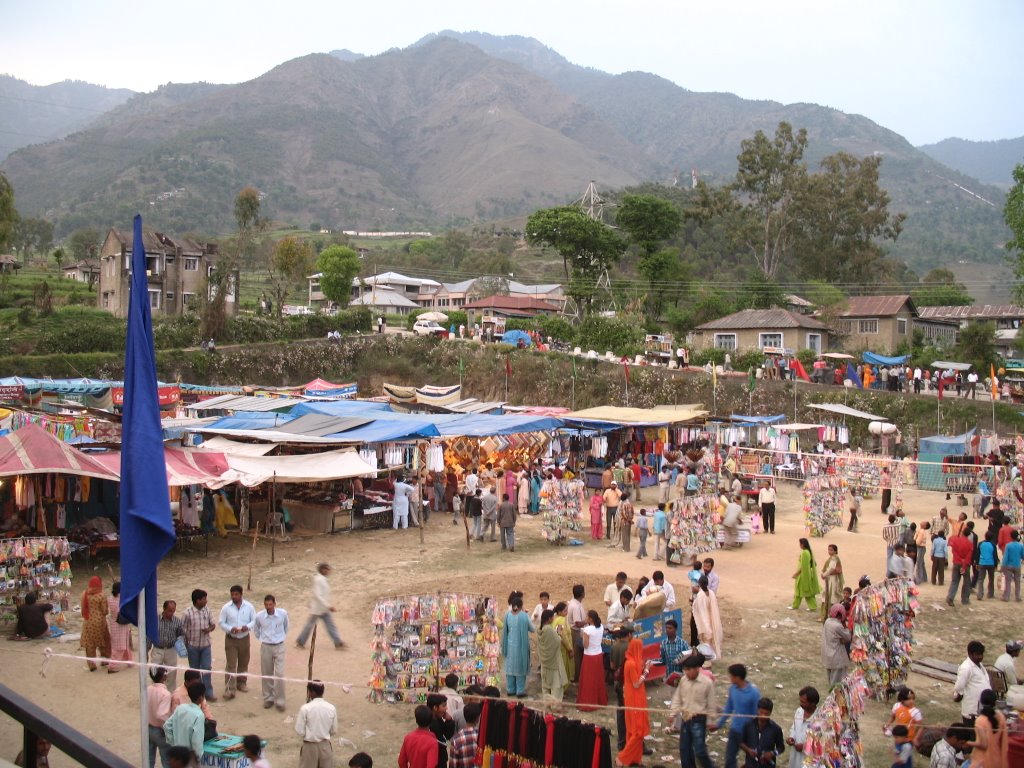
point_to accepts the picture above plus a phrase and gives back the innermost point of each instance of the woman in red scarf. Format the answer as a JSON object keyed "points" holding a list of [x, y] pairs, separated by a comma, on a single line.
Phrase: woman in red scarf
{"points": [[95, 635], [634, 693]]}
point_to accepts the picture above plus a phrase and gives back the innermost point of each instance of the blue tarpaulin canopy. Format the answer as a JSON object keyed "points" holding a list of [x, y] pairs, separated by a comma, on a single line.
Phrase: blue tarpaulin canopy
{"points": [[932, 450], [872, 359], [744, 420], [513, 337]]}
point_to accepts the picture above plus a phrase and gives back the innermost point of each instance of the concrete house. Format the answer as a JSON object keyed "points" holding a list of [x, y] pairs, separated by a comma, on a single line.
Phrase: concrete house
{"points": [[1007, 319], [176, 267], [877, 323], [761, 328]]}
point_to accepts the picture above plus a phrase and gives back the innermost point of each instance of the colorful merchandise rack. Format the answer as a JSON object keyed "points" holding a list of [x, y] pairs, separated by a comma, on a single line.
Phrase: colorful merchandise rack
{"points": [[561, 502], [883, 634], [692, 526], [862, 473], [420, 639], [823, 503], [39, 564], [833, 735]]}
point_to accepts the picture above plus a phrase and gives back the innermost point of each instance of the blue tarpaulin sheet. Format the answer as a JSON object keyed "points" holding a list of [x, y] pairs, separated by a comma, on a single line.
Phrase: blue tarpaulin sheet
{"points": [[872, 359], [342, 408], [758, 419]]}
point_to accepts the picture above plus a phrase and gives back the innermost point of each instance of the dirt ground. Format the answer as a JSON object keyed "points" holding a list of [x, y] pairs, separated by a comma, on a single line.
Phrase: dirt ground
{"points": [[781, 647]]}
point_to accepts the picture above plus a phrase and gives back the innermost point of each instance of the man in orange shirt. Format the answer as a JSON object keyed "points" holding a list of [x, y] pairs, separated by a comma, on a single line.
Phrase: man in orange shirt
{"points": [[180, 694]]}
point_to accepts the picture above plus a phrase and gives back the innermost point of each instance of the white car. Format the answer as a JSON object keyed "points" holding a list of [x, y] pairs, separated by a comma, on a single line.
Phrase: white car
{"points": [[428, 328]]}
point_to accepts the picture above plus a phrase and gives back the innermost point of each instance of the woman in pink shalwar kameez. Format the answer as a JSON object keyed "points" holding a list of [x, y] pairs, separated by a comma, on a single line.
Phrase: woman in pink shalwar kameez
{"points": [[596, 518], [120, 634]]}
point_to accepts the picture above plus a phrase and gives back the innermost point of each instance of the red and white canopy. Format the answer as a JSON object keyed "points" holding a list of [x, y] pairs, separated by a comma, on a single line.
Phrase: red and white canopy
{"points": [[33, 450]]}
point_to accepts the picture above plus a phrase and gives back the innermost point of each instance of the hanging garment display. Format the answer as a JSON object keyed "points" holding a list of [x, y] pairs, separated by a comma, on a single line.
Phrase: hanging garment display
{"points": [[40, 565], [896, 475], [515, 736], [862, 472], [692, 526], [883, 634], [562, 503], [833, 735], [420, 639], [823, 503]]}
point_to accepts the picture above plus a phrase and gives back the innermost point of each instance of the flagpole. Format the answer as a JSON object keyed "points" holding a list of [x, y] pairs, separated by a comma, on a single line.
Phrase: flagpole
{"points": [[143, 708]]}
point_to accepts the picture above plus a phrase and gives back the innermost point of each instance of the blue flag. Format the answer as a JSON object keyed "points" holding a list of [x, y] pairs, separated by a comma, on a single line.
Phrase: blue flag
{"points": [[147, 533], [851, 374]]}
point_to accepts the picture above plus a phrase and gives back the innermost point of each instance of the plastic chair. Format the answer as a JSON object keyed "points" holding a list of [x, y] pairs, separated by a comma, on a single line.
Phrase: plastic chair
{"points": [[275, 520]]}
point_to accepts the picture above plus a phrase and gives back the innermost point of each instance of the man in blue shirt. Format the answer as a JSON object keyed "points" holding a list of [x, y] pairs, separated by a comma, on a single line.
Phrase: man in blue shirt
{"points": [[236, 619], [271, 629], [672, 649], [1012, 555], [660, 531], [762, 737], [740, 709]]}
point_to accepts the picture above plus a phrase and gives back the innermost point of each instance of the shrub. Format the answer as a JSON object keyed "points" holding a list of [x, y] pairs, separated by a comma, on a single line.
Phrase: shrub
{"points": [[622, 335], [705, 356]]}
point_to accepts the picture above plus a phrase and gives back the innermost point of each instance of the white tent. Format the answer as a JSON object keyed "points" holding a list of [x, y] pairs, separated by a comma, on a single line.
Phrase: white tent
{"points": [[845, 410], [309, 468], [947, 365]]}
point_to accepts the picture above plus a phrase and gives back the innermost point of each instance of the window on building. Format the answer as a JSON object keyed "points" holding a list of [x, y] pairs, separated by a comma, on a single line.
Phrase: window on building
{"points": [[814, 342], [191, 264], [170, 297], [901, 326], [769, 340], [169, 259], [868, 326], [154, 299], [153, 265], [106, 300], [725, 341], [846, 326], [188, 299]]}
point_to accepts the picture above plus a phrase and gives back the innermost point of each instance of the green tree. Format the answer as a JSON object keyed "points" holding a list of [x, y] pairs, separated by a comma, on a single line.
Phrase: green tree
{"points": [[939, 288], [338, 266], [8, 213], [841, 213], [1013, 214], [290, 263], [976, 344], [770, 182], [667, 278], [758, 292], [829, 302], [32, 236], [648, 220], [588, 248], [84, 243], [59, 255], [247, 209]]}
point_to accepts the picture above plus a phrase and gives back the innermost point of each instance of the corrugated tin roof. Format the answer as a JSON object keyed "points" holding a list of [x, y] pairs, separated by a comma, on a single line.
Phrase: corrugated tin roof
{"points": [[382, 298], [244, 403], [972, 312], [798, 301], [509, 302], [762, 319], [875, 306]]}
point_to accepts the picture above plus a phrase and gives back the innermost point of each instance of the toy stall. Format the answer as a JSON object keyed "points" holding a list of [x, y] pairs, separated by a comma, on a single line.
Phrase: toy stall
{"points": [[562, 503], [823, 503], [40, 564], [420, 639]]}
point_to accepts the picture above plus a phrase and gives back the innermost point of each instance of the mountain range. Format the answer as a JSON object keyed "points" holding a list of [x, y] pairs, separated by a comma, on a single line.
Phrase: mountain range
{"points": [[989, 161], [457, 128]]}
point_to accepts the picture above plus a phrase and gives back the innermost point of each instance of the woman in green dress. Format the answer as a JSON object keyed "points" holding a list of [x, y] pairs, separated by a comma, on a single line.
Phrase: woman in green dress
{"points": [[832, 574], [806, 577], [561, 625]]}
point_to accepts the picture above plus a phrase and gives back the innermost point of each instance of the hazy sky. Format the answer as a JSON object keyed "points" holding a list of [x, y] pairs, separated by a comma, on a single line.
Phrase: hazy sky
{"points": [[928, 69]]}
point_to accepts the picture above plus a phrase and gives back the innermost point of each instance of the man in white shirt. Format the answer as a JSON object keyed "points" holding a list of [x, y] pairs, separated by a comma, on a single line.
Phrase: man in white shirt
{"points": [[1005, 662], [900, 566], [320, 608], [543, 605], [471, 482], [708, 567], [658, 581], [271, 629], [576, 615], [972, 385], [316, 723], [400, 504], [613, 590], [622, 610], [488, 512], [971, 680], [917, 380], [664, 476], [236, 620], [809, 698], [766, 501]]}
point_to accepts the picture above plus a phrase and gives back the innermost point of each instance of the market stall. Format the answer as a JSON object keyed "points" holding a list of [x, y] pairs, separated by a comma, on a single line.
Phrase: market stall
{"points": [[420, 639], [40, 564]]}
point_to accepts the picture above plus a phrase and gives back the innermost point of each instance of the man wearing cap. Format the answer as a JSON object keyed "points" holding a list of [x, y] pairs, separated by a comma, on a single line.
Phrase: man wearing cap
{"points": [[693, 699], [611, 498], [1005, 662]]}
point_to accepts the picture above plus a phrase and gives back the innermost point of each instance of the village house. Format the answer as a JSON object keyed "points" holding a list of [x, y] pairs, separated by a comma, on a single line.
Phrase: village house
{"points": [[177, 269], [763, 328], [87, 272], [877, 323], [1007, 319]]}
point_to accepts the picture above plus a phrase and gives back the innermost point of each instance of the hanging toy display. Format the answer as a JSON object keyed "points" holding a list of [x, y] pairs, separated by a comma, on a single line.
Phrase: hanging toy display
{"points": [[561, 502], [833, 736], [862, 473], [692, 524], [823, 503], [883, 634], [420, 639], [41, 565]]}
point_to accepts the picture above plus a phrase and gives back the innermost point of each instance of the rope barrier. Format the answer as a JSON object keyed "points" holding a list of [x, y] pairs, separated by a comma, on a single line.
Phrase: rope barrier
{"points": [[543, 704]]}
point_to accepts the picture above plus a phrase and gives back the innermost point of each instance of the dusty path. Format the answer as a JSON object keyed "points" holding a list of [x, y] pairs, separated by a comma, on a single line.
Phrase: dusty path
{"points": [[756, 590]]}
